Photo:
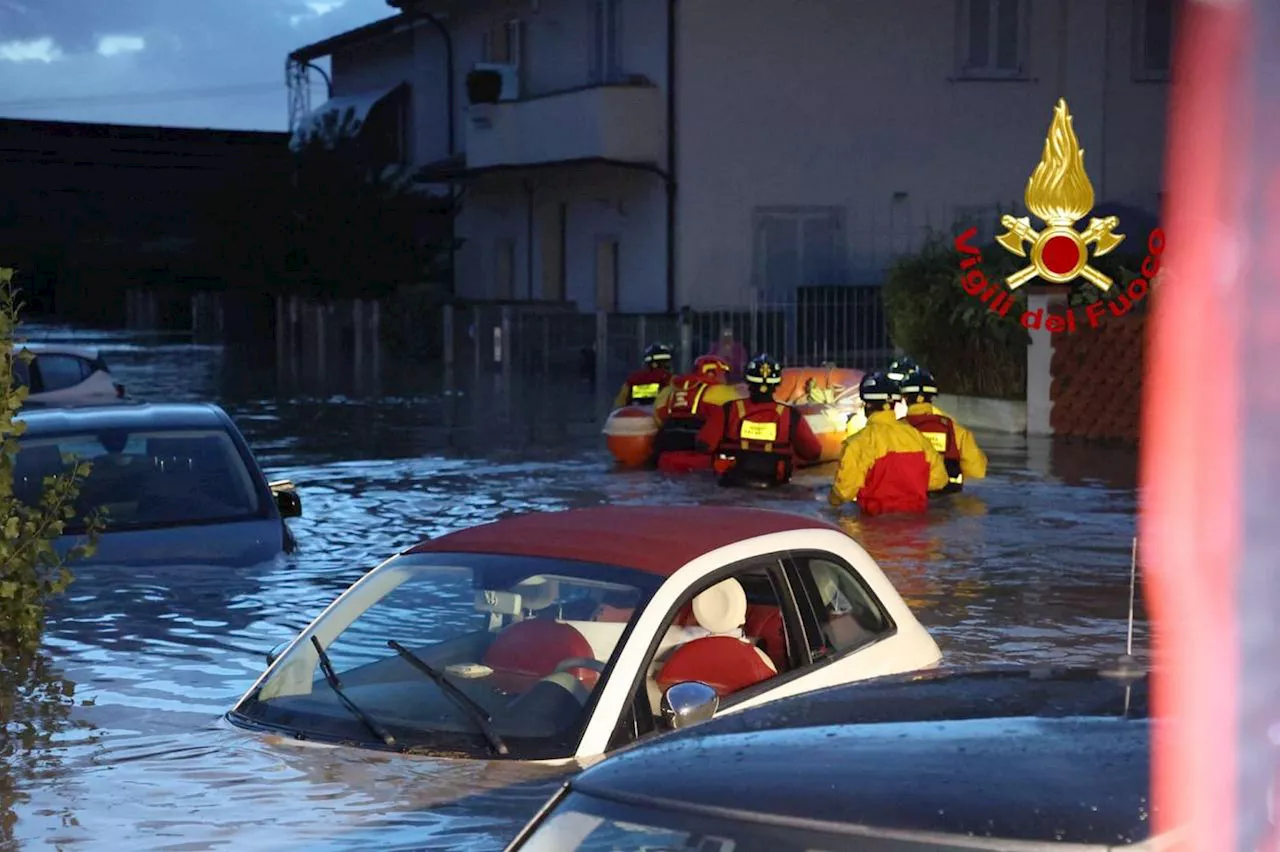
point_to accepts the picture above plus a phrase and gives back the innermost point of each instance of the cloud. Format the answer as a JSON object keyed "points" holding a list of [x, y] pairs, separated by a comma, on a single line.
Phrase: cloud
{"points": [[34, 50], [114, 45], [316, 9], [185, 75]]}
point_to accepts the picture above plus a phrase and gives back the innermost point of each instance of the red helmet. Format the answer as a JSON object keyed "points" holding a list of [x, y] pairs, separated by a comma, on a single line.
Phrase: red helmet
{"points": [[711, 367]]}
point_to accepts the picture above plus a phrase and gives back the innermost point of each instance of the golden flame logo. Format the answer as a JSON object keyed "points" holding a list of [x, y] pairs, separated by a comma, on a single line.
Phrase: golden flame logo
{"points": [[1059, 192]]}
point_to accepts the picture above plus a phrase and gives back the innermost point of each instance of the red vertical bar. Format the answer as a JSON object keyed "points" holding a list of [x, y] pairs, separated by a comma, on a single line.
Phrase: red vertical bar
{"points": [[1190, 524]]}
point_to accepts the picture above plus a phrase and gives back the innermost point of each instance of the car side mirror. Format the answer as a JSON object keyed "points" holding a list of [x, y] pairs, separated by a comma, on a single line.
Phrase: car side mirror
{"points": [[274, 653], [688, 703], [287, 499]]}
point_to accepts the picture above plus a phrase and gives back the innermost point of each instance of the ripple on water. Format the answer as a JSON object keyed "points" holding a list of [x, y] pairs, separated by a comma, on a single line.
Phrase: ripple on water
{"points": [[1022, 567]]}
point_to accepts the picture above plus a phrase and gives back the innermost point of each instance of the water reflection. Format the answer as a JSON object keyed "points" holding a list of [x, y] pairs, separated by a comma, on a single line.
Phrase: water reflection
{"points": [[1029, 565], [36, 703]]}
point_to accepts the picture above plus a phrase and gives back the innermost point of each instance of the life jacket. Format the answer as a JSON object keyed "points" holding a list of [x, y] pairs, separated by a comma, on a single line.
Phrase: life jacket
{"points": [[686, 394], [756, 442], [643, 385], [940, 431], [683, 419]]}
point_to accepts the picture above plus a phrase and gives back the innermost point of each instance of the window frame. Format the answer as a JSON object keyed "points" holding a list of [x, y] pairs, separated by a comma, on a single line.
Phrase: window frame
{"points": [[513, 29], [802, 576], [797, 216], [794, 627], [1141, 69], [989, 72], [37, 371]]}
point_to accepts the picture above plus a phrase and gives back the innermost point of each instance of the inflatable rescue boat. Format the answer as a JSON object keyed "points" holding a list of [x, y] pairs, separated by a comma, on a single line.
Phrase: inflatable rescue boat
{"points": [[827, 396]]}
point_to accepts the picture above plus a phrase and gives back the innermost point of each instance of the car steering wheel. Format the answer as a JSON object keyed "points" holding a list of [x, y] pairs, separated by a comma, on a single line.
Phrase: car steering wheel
{"points": [[579, 663]]}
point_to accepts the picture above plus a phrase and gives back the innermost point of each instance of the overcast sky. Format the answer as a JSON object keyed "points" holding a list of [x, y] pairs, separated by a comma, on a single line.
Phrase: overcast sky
{"points": [[184, 63]]}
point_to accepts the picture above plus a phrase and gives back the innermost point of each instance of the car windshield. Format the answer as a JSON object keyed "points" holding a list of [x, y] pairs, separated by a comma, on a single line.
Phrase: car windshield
{"points": [[582, 823], [527, 641], [144, 479]]}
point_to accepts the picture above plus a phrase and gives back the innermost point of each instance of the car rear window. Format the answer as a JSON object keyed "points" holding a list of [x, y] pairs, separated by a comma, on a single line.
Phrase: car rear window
{"points": [[59, 372], [145, 478]]}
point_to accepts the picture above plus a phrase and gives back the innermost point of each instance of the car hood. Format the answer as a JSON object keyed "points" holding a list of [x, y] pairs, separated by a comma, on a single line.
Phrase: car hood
{"points": [[1077, 780], [239, 543]]}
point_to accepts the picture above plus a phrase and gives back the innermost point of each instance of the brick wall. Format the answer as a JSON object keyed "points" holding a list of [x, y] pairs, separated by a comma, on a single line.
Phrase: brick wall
{"points": [[1097, 380]]}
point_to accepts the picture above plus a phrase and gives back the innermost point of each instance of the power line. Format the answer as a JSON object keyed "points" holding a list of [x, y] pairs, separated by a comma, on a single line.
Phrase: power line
{"points": [[159, 96]]}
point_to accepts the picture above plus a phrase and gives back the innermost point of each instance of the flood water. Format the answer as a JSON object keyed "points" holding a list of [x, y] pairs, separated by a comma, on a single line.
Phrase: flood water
{"points": [[118, 741]]}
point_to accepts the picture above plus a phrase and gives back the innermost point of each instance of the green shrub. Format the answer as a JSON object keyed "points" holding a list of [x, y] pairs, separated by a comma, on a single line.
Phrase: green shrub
{"points": [[31, 569], [969, 349]]}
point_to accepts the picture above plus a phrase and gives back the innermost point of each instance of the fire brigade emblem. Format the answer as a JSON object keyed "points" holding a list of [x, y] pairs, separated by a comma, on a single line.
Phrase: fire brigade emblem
{"points": [[1060, 194]]}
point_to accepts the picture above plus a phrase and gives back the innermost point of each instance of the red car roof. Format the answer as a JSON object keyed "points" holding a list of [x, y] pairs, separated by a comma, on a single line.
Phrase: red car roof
{"points": [[656, 539]]}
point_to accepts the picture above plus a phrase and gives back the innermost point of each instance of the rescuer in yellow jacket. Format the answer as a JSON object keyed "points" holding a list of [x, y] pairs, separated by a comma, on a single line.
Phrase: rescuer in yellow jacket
{"points": [[888, 466], [960, 451]]}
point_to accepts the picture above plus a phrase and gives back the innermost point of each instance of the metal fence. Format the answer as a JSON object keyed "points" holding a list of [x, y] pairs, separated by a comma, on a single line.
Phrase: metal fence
{"points": [[842, 325]]}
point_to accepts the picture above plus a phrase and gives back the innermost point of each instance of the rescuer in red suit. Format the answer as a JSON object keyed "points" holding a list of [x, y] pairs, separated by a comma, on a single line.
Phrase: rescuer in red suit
{"points": [[680, 412], [959, 449], [757, 440], [643, 385]]}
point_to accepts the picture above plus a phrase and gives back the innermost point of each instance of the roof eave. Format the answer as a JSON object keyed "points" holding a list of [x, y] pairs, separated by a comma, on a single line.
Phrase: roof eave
{"points": [[378, 29]]}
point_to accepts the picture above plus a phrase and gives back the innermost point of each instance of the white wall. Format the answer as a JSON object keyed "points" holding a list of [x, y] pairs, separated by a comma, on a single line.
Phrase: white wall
{"points": [[846, 104], [602, 202]]}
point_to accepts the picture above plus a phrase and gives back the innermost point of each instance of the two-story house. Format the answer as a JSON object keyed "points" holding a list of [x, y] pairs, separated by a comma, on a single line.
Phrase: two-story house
{"points": [[650, 154]]}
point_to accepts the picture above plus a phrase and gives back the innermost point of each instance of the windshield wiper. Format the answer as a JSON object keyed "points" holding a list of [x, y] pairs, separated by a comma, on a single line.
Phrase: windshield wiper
{"points": [[472, 707], [332, 678]]}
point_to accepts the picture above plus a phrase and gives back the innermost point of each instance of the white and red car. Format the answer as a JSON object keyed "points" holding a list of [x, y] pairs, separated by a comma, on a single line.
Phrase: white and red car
{"points": [[553, 636], [58, 375]]}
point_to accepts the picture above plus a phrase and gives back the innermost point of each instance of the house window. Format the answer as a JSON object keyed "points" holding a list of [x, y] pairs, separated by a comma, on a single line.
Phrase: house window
{"points": [[1153, 39], [992, 39], [503, 42], [605, 18], [799, 247]]}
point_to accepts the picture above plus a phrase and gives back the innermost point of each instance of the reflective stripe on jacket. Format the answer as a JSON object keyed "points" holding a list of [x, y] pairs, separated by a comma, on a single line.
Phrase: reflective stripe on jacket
{"points": [[642, 387], [972, 460], [888, 467]]}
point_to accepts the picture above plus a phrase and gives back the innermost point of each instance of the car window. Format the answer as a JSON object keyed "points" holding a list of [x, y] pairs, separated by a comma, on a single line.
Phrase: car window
{"points": [[145, 478], [21, 372], [760, 648], [846, 612], [519, 636], [58, 372]]}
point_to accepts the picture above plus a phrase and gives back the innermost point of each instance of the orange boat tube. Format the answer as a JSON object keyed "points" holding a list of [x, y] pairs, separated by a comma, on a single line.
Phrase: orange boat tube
{"points": [[629, 434]]}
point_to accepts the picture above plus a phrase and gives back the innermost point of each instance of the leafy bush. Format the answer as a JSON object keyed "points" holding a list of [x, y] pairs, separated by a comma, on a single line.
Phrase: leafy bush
{"points": [[31, 569], [969, 349]]}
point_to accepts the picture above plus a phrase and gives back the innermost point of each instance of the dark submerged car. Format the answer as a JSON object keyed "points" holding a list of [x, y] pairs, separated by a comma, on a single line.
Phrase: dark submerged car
{"points": [[991, 759], [177, 481]]}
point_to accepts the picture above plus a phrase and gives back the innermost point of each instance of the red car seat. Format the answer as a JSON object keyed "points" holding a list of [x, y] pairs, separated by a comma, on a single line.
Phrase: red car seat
{"points": [[765, 624], [723, 660], [529, 650]]}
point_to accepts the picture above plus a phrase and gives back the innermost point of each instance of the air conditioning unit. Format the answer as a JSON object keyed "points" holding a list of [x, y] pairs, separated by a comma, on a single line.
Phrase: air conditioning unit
{"points": [[510, 78]]}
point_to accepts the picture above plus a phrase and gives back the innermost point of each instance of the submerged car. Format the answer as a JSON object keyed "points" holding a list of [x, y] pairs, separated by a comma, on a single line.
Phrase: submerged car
{"points": [[55, 374], [996, 759], [177, 483], [553, 636]]}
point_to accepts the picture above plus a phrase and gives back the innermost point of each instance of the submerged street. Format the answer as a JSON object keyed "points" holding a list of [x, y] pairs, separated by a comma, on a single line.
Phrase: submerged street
{"points": [[1028, 566]]}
